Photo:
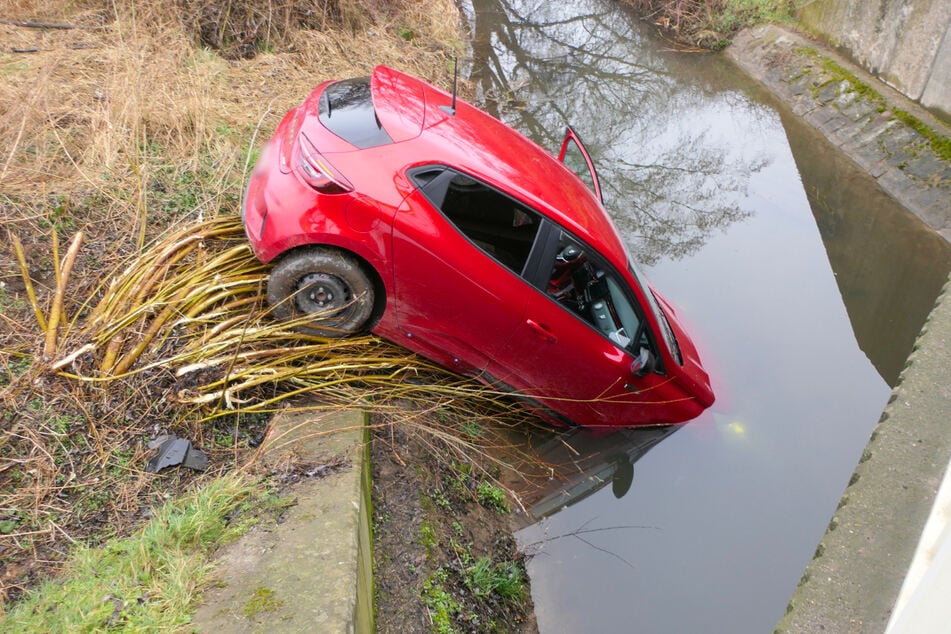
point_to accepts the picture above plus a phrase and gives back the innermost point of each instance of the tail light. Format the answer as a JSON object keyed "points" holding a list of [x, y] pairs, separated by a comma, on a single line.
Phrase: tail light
{"points": [[317, 171]]}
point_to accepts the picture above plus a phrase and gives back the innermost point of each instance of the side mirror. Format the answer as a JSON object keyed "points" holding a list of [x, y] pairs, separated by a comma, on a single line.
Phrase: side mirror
{"points": [[644, 363]]}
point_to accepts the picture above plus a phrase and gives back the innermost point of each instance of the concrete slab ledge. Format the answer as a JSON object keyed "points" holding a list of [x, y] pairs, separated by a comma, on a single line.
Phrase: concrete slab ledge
{"points": [[313, 572]]}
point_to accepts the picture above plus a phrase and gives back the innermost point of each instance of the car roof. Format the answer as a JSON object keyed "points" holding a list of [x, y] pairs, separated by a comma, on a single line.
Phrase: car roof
{"points": [[472, 141]]}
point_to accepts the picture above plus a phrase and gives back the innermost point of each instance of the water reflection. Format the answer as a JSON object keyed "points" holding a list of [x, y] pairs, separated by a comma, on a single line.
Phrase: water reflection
{"points": [[888, 291], [673, 181], [568, 467], [757, 237]]}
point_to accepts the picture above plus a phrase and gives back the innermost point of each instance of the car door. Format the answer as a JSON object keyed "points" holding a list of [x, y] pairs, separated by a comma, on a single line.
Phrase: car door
{"points": [[575, 155], [459, 247], [585, 348]]}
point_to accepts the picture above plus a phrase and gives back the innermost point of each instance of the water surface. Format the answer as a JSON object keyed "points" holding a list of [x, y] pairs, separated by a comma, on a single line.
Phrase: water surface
{"points": [[803, 285]]}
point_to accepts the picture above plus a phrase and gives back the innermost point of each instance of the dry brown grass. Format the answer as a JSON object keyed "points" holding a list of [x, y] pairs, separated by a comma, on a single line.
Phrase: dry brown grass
{"points": [[128, 129], [181, 340], [91, 105]]}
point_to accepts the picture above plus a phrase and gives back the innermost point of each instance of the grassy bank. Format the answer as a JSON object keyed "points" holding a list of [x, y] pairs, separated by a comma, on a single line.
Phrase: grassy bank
{"points": [[126, 122], [148, 580], [709, 24]]}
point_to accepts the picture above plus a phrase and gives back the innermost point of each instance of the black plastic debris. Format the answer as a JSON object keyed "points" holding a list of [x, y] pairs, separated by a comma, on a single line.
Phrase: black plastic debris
{"points": [[174, 451]]}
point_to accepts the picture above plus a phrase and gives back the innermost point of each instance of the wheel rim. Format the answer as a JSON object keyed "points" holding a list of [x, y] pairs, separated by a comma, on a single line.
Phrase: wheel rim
{"points": [[321, 292]]}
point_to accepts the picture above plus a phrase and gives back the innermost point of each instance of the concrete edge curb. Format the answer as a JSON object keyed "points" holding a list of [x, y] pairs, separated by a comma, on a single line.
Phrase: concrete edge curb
{"points": [[312, 571]]}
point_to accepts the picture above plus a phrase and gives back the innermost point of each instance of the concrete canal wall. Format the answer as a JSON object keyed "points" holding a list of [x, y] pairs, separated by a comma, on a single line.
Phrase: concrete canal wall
{"points": [[873, 570], [905, 43], [855, 112], [860, 578]]}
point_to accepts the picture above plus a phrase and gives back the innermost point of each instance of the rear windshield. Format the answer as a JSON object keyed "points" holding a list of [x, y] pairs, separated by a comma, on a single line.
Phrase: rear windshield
{"points": [[346, 109]]}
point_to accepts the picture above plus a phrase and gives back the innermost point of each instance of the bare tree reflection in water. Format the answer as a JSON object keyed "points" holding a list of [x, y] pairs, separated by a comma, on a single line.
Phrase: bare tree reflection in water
{"points": [[540, 66], [670, 207]]}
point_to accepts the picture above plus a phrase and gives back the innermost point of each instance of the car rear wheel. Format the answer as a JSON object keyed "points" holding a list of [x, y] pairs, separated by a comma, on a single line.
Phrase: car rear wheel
{"points": [[326, 283]]}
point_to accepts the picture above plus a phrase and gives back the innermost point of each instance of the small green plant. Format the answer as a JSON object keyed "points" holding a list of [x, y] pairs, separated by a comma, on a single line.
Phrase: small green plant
{"points": [[460, 480], [59, 217], [509, 581], [93, 500], [440, 604], [380, 520], [427, 537], [504, 579], [462, 552], [121, 462], [10, 519], [8, 301], [479, 577], [492, 497], [60, 424], [15, 367], [439, 498], [472, 429]]}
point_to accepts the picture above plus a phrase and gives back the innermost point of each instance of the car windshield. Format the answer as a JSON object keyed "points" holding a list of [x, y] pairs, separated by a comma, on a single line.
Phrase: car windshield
{"points": [[665, 328]]}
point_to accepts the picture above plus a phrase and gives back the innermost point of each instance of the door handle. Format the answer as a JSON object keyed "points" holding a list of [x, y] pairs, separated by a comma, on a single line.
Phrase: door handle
{"points": [[542, 331]]}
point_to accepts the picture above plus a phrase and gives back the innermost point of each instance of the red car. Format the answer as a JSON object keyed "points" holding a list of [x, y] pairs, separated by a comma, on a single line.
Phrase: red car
{"points": [[388, 206]]}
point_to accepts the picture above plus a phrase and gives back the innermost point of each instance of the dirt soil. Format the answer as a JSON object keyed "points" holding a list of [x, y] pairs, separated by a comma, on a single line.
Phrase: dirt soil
{"points": [[430, 531]]}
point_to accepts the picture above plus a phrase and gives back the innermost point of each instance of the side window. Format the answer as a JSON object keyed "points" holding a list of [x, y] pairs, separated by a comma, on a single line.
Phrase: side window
{"points": [[497, 224], [592, 292]]}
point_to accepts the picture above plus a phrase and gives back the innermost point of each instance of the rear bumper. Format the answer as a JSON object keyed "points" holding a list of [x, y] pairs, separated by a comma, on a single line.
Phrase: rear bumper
{"points": [[254, 208]]}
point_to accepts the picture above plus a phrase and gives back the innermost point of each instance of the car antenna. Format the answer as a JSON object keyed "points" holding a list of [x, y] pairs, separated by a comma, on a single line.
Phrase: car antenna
{"points": [[451, 109]]}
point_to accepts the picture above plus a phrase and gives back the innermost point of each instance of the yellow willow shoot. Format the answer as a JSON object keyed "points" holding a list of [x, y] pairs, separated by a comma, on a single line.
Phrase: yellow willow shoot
{"points": [[62, 278], [27, 282], [191, 309]]}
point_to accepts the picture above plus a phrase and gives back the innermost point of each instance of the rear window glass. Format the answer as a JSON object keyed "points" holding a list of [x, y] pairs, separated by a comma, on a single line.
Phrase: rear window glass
{"points": [[346, 109], [497, 224]]}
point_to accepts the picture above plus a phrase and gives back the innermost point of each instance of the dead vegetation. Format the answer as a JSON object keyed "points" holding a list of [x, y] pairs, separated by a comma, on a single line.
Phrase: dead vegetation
{"points": [[710, 24], [133, 124]]}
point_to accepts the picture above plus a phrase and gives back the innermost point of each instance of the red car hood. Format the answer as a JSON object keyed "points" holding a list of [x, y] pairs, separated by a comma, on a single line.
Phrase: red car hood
{"points": [[693, 371]]}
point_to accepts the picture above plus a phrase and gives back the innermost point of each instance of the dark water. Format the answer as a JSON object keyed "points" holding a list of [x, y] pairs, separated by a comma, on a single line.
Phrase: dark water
{"points": [[803, 285]]}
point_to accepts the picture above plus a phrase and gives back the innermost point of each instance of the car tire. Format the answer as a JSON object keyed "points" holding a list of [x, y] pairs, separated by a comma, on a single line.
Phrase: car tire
{"points": [[326, 282]]}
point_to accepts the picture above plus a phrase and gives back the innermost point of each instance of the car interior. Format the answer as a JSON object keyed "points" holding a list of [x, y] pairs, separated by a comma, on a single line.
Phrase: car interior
{"points": [[588, 291], [505, 229]]}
